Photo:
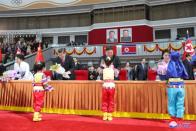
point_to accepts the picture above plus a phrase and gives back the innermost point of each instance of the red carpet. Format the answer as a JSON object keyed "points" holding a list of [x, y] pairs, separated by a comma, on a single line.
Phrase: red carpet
{"points": [[15, 121]]}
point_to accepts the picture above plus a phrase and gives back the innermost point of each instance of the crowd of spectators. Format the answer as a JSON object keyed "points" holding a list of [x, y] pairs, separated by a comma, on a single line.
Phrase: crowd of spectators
{"points": [[9, 50]]}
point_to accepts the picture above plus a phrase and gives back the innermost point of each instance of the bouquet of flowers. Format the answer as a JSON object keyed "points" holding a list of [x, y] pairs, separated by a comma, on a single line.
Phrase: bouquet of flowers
{"points": [[57, 68], [10, 75], [161, 68], [60, 70]]}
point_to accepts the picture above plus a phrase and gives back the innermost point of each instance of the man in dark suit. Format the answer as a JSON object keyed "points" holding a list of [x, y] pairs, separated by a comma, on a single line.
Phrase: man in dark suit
{"points": [[112, 38], [115, 60], [77, 64], [67, 63], [141, 70], [189, 67]]}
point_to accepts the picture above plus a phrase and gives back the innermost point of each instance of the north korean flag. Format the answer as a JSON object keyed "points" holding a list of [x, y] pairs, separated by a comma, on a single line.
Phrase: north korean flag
{"points": [[128, 49]]}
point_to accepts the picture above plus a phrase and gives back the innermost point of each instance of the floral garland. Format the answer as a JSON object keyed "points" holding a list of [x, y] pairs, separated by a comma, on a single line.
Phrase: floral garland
{"points": [[175, 48], [162, 49], [90, 52], [70, 52], [78, 52], [150, 49], [169, 47]]}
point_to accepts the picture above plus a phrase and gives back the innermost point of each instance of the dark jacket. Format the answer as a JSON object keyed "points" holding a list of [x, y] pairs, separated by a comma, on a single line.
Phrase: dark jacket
{"points": [[77, 66], [141, 73], [92, 75], [115, 61], [189, 69], [68, 65], [132, 74]]}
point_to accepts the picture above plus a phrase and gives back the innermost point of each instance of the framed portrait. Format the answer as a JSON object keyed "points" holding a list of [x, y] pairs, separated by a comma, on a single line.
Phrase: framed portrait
{"points": [[112, 36], [125, 35]]}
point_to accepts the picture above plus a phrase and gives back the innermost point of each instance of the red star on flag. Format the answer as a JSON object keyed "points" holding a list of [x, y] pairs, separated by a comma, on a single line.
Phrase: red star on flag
{"points": [[189, 47]]}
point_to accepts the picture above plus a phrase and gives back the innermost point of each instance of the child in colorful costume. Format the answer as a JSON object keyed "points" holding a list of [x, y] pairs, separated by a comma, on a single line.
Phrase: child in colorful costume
{"points": [[39, 86], [108, 90], [176, 73]]}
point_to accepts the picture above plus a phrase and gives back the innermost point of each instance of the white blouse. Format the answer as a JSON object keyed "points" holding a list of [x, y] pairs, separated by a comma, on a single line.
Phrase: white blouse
{"points": [[24, 70]]}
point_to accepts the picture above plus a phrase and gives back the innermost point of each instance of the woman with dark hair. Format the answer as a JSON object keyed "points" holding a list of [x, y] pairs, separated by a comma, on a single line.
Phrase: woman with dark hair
{"points": [[162, 65], [22, 68]]}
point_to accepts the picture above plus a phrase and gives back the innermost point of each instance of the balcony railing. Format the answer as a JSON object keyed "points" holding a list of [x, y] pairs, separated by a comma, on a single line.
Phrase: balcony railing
{"points": [[142, 49]]}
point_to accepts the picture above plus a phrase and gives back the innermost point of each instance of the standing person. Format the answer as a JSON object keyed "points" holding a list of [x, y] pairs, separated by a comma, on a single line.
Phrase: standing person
{"points": [[132, 73], [32, 47], [188, 66], [135, 72], [114, 59], [128, 69], [24, 48], [40, 85], [108, 90], [46, 44], [162, 65], [28, 49], [142, 70], [77, 64], [176, 72], [92, 74], [67, 63], [100, 69], [152, 70]]}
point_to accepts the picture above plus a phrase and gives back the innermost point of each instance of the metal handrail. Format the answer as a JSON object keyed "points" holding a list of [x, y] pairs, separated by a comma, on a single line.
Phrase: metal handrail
{"points": [[7, 65]]}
